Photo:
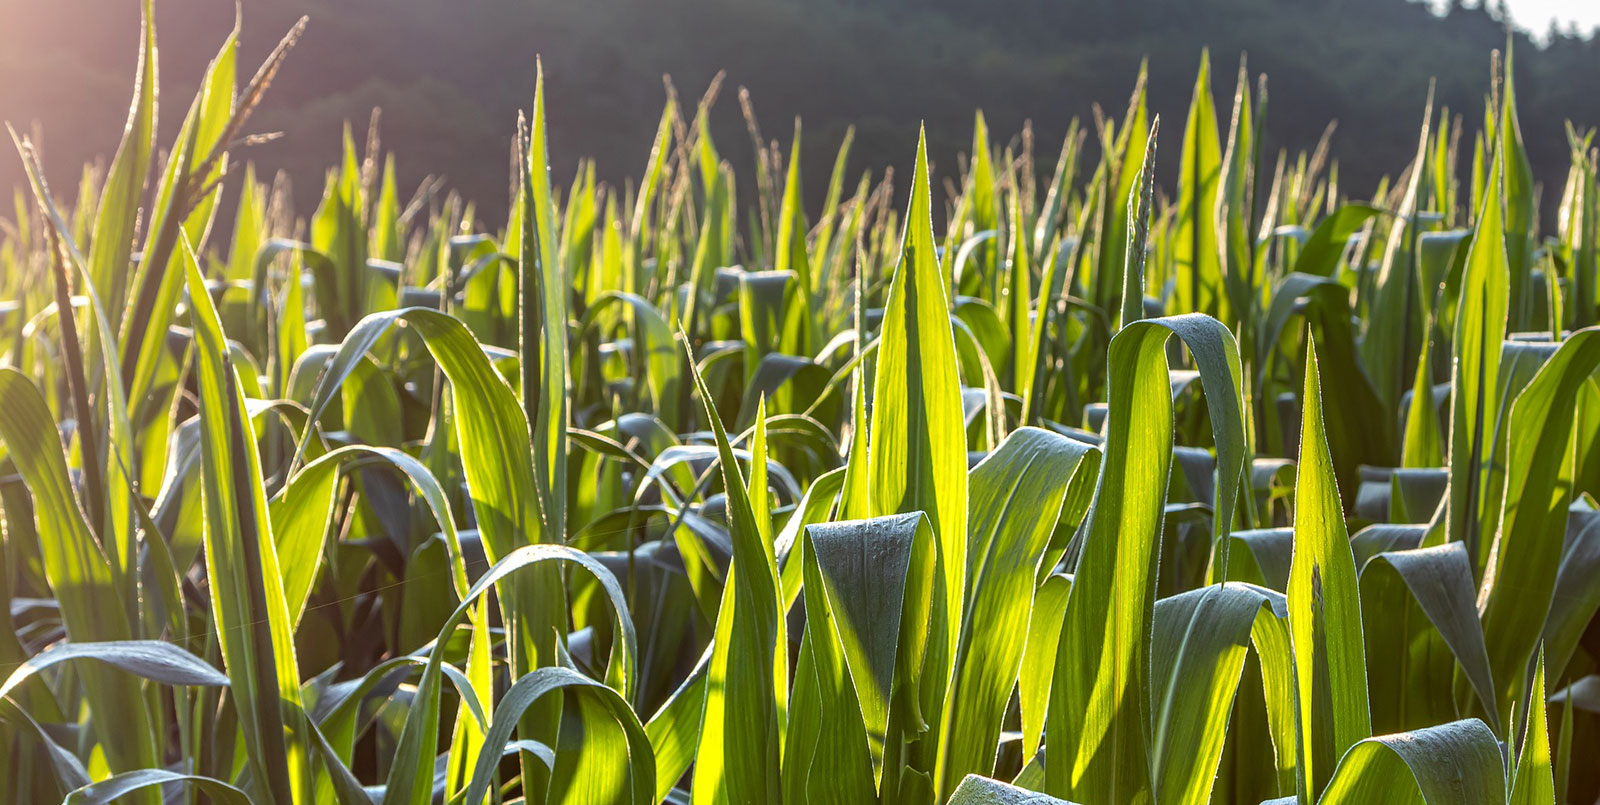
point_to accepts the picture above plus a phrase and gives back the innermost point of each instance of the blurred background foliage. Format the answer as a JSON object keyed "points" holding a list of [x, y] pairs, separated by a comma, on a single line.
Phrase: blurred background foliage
{"points": [[450, 75]]}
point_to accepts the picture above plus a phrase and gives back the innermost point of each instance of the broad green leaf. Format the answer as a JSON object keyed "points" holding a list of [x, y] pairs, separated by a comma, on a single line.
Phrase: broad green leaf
{"points": [[1524, 560], [1320, 254], [1099, 718], [1016, 497], [302, 514], [150, 659], [1199, 642], [107, 489], [67, 769], [1454, 762], [490, 430], [674, 731], [653, 348], [918, 447], [858, 574], [1413, 687], [816, 507], [1324, 608], [1576, 597]]}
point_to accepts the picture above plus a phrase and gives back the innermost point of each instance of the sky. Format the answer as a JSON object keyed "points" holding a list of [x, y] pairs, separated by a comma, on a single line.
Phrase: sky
{"points": [[1535, 15]]}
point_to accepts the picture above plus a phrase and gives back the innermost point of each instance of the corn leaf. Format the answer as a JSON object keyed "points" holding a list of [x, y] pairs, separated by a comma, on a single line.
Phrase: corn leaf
{"points": [[1324, 608]]}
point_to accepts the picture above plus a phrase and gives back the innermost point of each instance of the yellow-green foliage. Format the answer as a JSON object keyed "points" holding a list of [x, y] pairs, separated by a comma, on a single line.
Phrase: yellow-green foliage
{"points": [[680, 491]]}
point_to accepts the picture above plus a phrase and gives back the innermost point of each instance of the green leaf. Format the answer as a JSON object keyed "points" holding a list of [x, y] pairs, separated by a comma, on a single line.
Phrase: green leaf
{"points": [[302, 515], [1521, 206], [411, 773], [247, 597], [1198, 646], [65, 767], [1324, 607], [179, 214], [546, 387], [858, 624], [1039, 657], [114, 788], [75, 568], [1319, 255], [1032, 339], [1141, 197], [1524, 561], [338, 231], [656, 353], [1197, 254], [111, 246], [740, 735], [918, 445], [1235, 207], [1099, 716], [1116, 227], [490, 430], [1016, 497], [1422, 444], [1475, 372], [604, 714], [1454, 762], [1391, 327], [674, 730], [1576, 597], [106, 489], [149, 659], [1533, 782], [799, 327], [975, 790], [1412, 688]]}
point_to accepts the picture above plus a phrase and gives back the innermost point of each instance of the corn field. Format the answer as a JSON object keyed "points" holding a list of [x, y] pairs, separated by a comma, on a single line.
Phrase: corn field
{"points": [[1252, 491]]}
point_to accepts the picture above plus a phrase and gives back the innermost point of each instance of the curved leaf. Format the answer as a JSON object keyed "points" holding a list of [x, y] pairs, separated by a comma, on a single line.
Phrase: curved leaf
{"points": [[1450, 763]]}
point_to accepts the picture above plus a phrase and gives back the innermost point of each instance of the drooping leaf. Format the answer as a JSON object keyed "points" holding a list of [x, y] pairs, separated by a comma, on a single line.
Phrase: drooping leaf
{"points": [[1099, 713]]}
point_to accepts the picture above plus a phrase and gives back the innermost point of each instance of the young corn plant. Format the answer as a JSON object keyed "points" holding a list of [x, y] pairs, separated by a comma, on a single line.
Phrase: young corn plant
{"points": [[1044, 487]]}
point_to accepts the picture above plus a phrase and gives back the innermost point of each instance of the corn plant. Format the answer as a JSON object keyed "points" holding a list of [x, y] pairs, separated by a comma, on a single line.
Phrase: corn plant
{"points": [[1049, 486]]}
